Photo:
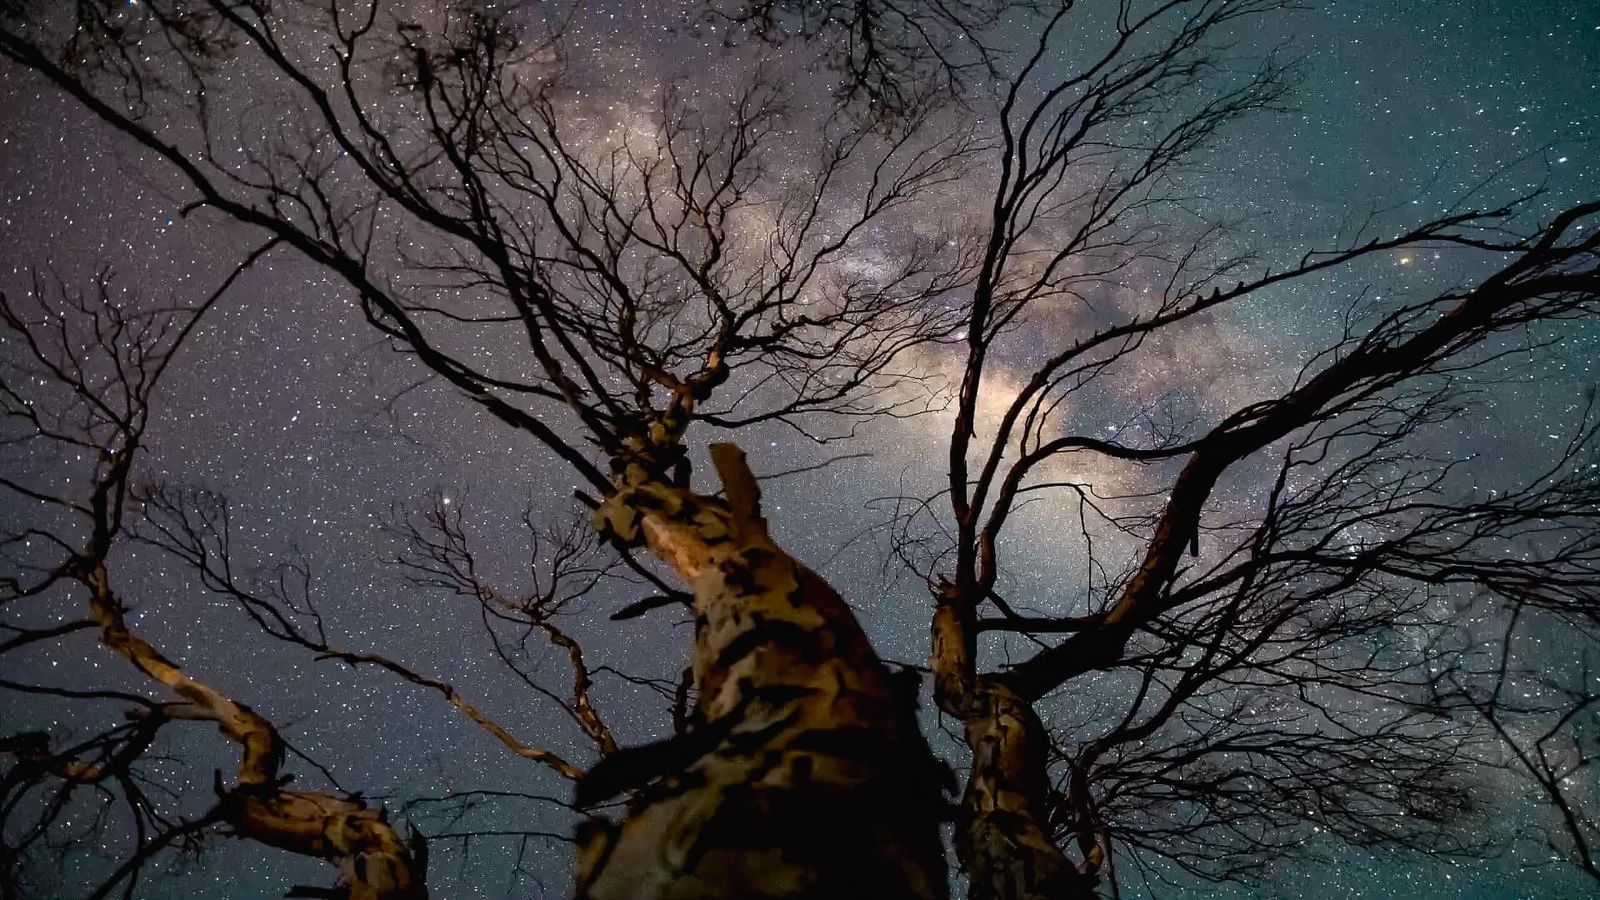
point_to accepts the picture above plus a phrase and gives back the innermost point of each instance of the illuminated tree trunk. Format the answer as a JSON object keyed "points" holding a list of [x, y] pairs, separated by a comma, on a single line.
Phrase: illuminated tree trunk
{"points": [[806, 775], [1002, 838], [374, 861]]}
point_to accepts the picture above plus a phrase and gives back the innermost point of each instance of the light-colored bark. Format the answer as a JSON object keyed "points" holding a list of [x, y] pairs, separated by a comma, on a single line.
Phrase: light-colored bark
{"points": [[807, 776], [374, 862], [1001, 839]]}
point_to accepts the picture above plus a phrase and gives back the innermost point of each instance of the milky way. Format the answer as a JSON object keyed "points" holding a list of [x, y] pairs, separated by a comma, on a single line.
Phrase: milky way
{"points": [[317, 433]]}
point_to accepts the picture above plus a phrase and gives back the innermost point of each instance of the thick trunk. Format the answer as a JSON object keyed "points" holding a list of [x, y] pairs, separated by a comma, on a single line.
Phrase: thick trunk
{"points": [[1002, 839], [807, 776]]}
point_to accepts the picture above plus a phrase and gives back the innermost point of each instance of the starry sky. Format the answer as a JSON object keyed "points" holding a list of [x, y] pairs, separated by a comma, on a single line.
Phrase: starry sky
{"points": [[286, 403]]}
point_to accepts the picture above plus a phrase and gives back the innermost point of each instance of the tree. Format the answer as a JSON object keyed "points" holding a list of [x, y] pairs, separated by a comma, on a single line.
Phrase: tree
{"points": [[1244, 665]]}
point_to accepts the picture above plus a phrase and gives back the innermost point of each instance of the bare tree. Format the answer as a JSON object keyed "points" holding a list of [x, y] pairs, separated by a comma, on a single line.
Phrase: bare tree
{"points": [[92, 365], [1263, 654], [891, 58]]}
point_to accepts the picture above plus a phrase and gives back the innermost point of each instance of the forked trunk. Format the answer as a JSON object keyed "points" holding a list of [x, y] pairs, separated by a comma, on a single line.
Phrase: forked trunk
{"points": [[806, 776], [1002, 838]]}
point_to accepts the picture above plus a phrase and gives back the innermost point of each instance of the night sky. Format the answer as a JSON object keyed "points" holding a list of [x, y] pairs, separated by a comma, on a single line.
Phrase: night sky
{"points": [[286, 403]]}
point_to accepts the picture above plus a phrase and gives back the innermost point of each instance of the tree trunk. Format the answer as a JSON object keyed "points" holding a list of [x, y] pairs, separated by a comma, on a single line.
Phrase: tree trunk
{"points": [[1002, 838], [807, 776]]}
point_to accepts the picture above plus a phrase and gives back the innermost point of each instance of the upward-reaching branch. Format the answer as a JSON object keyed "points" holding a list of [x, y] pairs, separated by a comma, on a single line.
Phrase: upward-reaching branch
{"points": [[104, 361]]}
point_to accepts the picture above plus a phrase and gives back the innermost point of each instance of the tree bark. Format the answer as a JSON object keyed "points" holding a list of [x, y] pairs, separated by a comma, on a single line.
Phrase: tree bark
{"points": [[807, 776], [374, 861], [1002, 838]]}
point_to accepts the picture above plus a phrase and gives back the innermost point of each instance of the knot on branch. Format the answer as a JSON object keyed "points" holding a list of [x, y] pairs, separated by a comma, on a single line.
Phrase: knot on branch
{"points": [[374, 861]]}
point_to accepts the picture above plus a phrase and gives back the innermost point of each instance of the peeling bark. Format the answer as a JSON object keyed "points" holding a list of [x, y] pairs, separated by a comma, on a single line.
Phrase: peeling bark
{"points": [[807, 776]]}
